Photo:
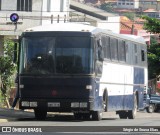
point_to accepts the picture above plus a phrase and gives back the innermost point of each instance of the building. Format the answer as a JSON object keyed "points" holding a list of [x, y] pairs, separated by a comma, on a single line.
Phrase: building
{"points": [[134, 28], [31, 13], [149, 4], [128, 4], [40, 12], [152, 13], [94, 16]]}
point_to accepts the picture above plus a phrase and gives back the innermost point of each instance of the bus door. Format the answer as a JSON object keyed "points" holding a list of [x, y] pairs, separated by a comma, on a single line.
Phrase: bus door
{"points": [[98, 72]]}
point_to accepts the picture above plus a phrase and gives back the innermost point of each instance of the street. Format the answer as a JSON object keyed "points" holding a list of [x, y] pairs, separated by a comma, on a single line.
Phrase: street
{"points": [[65, 122], [19, 118]]}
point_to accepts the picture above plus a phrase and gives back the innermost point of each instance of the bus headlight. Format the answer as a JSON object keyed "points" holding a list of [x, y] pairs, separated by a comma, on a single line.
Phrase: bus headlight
{"points": [[83, 104], [33, 104], [25, 103], [88, 87], [75, 104]]}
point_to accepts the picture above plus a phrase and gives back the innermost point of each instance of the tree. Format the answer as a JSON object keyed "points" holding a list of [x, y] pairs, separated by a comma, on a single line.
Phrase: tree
{"points": [[107, 7], [153, 59], [7, 67], [129, 15], [152, 25]]}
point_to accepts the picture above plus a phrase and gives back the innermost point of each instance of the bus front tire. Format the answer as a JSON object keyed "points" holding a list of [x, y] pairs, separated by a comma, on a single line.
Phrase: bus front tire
{"points": [[40, 114], [86, 116], [96, 115], [79, 116]]}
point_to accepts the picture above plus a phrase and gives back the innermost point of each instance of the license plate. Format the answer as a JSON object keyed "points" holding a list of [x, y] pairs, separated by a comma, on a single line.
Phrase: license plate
{"points": [[53, 104]]}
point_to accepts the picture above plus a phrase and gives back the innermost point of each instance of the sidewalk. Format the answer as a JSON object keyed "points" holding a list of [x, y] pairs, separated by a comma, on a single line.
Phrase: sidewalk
{"points": [[10, 114]]}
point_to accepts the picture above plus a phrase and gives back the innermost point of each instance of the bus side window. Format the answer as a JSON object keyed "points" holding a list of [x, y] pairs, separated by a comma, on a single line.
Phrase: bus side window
{"points": [[135, 54], [114, 48], [106, 47], [121, 50], [142, 55]]}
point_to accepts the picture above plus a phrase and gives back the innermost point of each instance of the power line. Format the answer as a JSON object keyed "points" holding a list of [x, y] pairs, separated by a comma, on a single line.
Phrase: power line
{"points": [[125, 1], [99, 10]]}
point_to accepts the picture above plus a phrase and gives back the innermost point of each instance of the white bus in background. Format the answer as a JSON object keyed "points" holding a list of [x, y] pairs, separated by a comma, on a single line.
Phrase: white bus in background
{"points": [[81, 69]]}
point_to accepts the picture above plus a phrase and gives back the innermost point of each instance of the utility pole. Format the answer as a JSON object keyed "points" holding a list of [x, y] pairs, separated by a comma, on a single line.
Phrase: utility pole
{"points": [[132, 29]]}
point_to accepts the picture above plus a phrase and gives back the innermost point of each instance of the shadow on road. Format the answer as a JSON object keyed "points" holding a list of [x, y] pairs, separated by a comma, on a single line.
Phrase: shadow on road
{"points": [[61, 118]]}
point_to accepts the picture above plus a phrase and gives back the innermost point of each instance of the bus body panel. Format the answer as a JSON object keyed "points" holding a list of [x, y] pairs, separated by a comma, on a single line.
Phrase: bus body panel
{"points": [[139, 80], [63, 90], [118, 81], [121, 82], [55, 87]]}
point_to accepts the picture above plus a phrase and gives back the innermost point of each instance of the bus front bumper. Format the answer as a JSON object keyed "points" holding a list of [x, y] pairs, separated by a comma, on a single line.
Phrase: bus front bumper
{"points": [[65, 105]]}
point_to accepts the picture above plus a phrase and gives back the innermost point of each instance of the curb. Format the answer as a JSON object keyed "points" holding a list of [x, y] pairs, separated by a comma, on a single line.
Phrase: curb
{"points": [[3, 120]]}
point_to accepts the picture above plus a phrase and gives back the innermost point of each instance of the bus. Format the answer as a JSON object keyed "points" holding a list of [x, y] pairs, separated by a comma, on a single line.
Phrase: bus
{"points": [[85, 70]]}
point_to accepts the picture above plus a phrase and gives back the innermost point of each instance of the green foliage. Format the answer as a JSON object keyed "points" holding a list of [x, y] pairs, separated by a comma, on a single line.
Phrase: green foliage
{"points": [[107, 7], [153, 59], [2, 100], [152, 25], [131, 16], [7, 67]]}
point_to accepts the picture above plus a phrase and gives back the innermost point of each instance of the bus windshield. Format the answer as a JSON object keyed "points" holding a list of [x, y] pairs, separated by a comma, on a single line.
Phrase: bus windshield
{"points": [[56, 55]]}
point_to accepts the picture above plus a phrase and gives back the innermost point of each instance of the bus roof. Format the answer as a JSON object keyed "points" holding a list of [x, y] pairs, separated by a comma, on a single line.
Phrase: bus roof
{"points": [[137, 38], [63, 27], [81, 27]]}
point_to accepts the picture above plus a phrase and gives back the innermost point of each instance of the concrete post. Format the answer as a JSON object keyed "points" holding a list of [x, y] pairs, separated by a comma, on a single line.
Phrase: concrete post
{"points": [[1, 45]]}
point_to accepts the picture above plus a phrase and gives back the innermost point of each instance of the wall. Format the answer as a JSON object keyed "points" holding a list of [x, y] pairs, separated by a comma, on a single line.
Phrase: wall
{"points": [[113, 24], [8, 4], [26, 18], [127, 4], [38, 16], [58, 8]]}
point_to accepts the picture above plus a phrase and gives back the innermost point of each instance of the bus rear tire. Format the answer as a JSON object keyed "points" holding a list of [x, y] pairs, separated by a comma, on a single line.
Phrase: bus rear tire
{"points": [[123, 114], [86, 116], [96, 115], [40, 114], [132, 113], [77, 116]]}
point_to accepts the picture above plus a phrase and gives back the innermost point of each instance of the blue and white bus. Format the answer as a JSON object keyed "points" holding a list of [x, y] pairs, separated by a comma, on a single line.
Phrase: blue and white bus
{"points": [[81, 69]]}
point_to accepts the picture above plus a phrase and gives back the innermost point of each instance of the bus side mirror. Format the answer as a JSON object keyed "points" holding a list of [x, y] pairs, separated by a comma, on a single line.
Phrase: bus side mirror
{"points": [[15, 53]]}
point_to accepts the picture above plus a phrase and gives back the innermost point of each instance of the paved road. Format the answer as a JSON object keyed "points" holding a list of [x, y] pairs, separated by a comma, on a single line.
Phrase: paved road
{"points": [[18, 115], [66, 123]]}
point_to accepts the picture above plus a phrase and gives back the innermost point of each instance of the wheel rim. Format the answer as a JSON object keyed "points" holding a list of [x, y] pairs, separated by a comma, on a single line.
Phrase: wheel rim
{"points": [[151, 108], [104, 106], [135, 107], [100, 114]]}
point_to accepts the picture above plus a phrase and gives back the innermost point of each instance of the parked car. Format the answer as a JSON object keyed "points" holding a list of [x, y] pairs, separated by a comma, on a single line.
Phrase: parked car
{"points": [[151, 101], [154, 103], [146, 102]]}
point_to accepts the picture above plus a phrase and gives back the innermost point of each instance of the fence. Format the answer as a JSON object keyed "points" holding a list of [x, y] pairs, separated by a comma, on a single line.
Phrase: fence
{"points": [[153, 84]]}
